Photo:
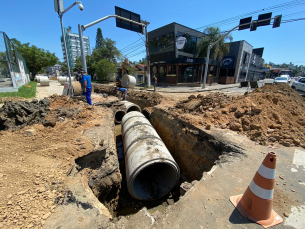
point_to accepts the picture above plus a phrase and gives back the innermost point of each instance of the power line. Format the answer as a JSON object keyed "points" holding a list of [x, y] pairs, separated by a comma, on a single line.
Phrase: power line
{"points": [[133, 50], [133, 47], [130, 44]]}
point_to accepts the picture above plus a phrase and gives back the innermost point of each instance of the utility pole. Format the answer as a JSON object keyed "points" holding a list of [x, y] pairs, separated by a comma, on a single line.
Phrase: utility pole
{"points": [[147, 55], [59, 8]]}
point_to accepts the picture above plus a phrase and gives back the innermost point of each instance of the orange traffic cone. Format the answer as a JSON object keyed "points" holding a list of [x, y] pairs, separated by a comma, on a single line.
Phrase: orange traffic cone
{"points": [[256, 203]]}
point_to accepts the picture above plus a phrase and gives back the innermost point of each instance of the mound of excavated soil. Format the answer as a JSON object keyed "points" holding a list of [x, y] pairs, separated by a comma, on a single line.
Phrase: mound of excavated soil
{"points": [[150, 98], [272, 113], [19, 114]]}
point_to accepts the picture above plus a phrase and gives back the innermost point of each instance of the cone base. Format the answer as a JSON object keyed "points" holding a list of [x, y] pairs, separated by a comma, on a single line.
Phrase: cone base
{"points": [[272, 221]]}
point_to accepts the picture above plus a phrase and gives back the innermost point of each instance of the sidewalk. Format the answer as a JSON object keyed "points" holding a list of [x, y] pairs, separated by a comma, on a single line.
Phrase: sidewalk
{"points": [[177, 89]]}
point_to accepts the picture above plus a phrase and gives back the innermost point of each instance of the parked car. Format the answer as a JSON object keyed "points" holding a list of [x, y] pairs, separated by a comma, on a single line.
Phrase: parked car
{"points": [[299, 85], [282, 79]]}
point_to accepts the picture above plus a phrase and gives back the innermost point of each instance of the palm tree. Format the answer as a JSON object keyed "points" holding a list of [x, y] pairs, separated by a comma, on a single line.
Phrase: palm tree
{"points": [[212, 34]]}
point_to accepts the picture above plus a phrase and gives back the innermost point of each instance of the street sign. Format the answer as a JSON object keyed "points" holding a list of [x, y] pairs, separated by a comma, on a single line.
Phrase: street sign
{"points": [[244, 21], [59, 5], [180, 42], [277, 21], [131, 16], [66, 89], [263, 17]]}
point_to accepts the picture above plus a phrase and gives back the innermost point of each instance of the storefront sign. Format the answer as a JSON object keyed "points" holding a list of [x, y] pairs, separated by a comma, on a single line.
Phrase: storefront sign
{"points": [[189, 60], [180, 42], [228, 62]]}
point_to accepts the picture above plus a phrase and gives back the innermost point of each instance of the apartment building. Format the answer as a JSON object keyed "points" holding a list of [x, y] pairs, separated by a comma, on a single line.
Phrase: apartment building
{"points": [[73, 45]]}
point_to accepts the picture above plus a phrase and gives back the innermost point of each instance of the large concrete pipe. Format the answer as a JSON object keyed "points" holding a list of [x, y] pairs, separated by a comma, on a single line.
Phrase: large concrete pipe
{"points": [[131, 106], [146, 112], [128, 81], [44, 81], [118, 116], [151, 171]]}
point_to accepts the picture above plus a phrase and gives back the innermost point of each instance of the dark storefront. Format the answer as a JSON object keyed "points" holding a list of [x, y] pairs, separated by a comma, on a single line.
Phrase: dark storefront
{"points": [[173, 66]]}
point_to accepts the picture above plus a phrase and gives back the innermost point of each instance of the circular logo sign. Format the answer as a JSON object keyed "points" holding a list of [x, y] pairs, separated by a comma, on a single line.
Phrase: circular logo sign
{"points": [[180, 42]]}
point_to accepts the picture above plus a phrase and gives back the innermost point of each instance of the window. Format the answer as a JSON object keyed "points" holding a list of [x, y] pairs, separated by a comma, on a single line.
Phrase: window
{"points": [[165, 43]]}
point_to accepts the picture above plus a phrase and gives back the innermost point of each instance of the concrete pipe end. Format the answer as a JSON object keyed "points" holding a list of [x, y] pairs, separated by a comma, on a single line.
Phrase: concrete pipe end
{"points": [[154, 181], [118, 116]]}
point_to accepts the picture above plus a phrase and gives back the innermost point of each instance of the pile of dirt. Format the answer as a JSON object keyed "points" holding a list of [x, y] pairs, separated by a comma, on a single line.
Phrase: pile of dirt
{"points": [[150, 98], [14, 115], [272, 113], [143, 99]]}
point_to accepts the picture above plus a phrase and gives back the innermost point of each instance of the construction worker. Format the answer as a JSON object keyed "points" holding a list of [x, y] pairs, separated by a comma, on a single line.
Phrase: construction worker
{"points": [[122, 89], [85, 81]]}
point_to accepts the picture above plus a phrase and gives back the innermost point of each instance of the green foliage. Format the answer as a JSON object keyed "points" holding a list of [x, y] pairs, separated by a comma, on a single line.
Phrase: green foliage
{"points": [[25, 92], [36, 58], [107, 51], [103, 68], [64, 67], [212, 34], [99, 39]]}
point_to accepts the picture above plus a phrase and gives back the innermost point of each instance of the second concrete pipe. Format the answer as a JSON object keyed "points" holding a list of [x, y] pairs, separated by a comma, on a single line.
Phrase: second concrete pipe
{"points": [[151, 171]]}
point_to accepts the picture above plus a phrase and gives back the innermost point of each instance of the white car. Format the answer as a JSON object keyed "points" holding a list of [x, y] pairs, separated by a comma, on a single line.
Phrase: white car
{"points": [[282, 79], [299, 85]]}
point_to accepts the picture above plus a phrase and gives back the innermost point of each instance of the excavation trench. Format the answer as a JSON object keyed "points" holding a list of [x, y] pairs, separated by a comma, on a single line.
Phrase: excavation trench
{"points": [[194, 150]]}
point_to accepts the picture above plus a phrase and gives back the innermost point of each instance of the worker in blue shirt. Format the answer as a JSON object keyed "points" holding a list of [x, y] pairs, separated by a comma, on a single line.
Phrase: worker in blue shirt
{"points": [[85, 81]]}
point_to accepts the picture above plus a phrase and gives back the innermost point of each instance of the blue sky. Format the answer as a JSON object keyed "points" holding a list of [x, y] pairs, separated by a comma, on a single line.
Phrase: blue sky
{"points": [[36, 22]]}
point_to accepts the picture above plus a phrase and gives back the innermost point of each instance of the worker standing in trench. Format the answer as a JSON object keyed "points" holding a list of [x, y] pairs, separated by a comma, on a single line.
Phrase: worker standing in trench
{"points": [[85, 81]]}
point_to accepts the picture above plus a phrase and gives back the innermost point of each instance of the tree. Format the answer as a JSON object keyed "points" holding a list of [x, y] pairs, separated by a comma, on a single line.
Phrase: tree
{"points": [[36, 58], [99, 39], [107, 51], [212, 34], [64, 67], [103, 68]]}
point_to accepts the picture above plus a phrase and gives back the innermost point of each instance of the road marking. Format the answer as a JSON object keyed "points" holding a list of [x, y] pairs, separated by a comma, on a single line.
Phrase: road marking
{"points": [[296, 218], [299, 158]]}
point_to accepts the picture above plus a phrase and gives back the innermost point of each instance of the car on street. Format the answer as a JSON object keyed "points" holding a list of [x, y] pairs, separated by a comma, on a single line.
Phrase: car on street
{"points": [[299, 85], [282, 79]]}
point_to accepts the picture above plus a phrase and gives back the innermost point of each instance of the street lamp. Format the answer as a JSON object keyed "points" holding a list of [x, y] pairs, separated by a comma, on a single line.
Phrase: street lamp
{"points": [[59, 8]]}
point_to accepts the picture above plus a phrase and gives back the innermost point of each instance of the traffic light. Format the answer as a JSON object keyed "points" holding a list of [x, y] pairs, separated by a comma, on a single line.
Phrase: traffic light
{"points": [[253, 26], [277, 21]]}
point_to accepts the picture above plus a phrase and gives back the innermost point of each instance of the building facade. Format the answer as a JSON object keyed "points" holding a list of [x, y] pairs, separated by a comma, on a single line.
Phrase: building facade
{"points": [[52, 69], [172, 65], [73, 45], [241, 63]]}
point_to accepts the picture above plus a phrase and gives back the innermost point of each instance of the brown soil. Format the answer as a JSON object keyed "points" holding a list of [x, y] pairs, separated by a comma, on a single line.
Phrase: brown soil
{"points": [[35, 161], [272, 113]]}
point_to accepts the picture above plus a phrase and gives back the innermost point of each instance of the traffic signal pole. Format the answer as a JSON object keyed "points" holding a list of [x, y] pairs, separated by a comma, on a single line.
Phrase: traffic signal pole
{"points": [[211, 46], [82, 28]]}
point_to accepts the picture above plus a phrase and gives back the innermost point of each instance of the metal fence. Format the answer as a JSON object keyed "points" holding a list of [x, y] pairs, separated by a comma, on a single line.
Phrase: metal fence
{"points": [[13, 70]]}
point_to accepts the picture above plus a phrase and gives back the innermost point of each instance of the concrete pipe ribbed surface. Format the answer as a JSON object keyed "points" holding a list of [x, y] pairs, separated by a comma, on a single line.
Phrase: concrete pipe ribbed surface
{"points": [[131, 106], [118, 116], [151, 171]]}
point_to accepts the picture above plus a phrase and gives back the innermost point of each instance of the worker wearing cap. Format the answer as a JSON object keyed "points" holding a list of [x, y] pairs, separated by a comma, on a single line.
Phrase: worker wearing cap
{"points": [[85, 81]]}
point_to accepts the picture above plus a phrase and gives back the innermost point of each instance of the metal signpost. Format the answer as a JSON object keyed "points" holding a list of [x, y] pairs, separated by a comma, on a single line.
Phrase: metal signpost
{"points": [[59, 7], [241, 26], [122, 22]]}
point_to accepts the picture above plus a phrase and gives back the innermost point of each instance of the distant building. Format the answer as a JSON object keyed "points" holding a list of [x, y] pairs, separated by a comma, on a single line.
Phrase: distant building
{"points": [[172, 65], [73, 45], [242, 63], [52, 69], [140, 72]]}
